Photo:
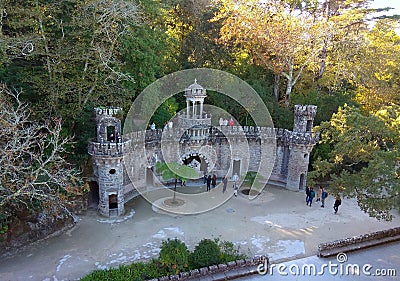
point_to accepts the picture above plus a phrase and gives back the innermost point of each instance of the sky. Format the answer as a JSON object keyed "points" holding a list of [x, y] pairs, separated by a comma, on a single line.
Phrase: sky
{"points": [[387, 3]]}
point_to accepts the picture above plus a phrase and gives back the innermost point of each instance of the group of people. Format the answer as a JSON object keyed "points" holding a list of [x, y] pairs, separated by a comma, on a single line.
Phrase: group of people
{"points": [[167, 125], [225, 122], [321, 196], [211, 181]]}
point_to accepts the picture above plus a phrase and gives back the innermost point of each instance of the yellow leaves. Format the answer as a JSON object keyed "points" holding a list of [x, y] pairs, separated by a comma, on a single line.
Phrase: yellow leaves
{"points": [[338, 159], [383, 76]]}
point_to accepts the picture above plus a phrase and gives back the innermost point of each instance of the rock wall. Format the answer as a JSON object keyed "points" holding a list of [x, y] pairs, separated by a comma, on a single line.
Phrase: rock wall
{"points": [[26, 227]]}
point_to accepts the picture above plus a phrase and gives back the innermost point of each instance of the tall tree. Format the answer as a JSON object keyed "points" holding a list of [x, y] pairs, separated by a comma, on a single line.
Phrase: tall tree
{"points": [[34, 173], [276, 34], [364, 158], [376, 76]]}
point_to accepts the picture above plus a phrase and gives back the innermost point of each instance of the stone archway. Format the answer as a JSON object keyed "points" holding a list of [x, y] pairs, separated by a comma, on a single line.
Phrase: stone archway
{"points": [[197, 161]]}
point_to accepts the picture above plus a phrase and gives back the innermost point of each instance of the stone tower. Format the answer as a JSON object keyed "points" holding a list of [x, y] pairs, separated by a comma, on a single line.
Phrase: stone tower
{"points": [[196, 121], [107, 151], [300, 143]]}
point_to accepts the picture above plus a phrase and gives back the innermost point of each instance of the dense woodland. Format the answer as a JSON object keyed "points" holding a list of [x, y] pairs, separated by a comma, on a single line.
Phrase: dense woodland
{"points": [[59, 59]]}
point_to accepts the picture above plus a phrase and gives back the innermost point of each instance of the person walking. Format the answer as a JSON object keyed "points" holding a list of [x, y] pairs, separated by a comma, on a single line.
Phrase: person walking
{"points": [[307, 194], [214, 181], [225, 183], [311, 196], [235, 179], [209, 183], [337, 203], [324, 194], [319, 193], [205, 178]]}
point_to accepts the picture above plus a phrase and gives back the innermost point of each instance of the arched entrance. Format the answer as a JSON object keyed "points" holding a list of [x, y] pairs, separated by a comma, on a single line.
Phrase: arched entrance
{"points": [[197, 162], [301, 182]]}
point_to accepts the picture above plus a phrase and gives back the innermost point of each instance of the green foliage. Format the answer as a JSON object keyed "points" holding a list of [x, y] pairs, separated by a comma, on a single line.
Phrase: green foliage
{"points": [[136, 271], [327, 104], [175, 170], [174, 256], [229, 252], [252, 178], [364, 158], [206, 253], [164, 112]]}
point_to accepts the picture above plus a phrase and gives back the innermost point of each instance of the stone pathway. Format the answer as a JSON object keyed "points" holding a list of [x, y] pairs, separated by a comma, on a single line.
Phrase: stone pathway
{"points": [[277, 223]]}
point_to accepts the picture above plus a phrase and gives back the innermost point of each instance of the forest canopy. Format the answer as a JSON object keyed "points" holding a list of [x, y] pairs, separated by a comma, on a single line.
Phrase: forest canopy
{"points": [[65, 57]]}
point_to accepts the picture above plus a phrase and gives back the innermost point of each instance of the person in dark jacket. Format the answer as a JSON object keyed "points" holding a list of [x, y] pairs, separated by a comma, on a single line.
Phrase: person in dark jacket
{"points": [[214, 181], [225, 183], [337, 203], [209, 183], [311, 196], [307, 194]]}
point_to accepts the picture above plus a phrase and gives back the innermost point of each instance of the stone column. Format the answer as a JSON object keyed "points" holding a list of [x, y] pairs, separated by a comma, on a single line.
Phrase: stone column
{"points": [[201, 109], [187, 108]]}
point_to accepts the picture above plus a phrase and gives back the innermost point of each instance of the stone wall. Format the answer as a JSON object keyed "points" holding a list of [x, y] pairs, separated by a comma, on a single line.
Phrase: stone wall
{"points": [[358, 242]]}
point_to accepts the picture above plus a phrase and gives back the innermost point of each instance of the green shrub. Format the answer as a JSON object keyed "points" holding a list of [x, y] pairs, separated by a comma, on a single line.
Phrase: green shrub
{"points": [[206, 253], [174, 256], [229, 252]]}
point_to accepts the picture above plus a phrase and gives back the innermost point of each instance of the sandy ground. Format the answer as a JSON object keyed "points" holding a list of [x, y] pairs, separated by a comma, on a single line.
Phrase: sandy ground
{"points": [[277, 223]]}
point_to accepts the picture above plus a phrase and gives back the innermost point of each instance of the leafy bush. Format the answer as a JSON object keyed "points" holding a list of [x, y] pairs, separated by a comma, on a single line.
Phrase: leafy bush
{"points": [[206, 253], [174, 256], [229, 252]]}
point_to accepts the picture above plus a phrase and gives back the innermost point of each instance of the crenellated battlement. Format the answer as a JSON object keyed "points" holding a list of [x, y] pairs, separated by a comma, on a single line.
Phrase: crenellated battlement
{"points": [[284, 136], [308, 111], [109, 149], [109, 111]]}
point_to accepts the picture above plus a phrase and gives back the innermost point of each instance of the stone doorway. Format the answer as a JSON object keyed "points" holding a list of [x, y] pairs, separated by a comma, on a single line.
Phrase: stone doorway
{"points": [[111, 133], [93, 198], [301, 182], [112, 201], [236, 167], [149, 176]]}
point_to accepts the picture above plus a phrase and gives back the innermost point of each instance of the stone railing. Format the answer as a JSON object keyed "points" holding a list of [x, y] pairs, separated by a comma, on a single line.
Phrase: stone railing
{"points": [[228, 271], [110, 149], [358, 242], [189, 122]]}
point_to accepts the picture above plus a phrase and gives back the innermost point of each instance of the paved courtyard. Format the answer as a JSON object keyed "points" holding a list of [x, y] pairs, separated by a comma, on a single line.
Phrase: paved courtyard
{"points": [[277, 223]]}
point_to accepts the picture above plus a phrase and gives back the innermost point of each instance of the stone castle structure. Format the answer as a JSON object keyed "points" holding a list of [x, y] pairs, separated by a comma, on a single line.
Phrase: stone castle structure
{"points": [[124, 165]]}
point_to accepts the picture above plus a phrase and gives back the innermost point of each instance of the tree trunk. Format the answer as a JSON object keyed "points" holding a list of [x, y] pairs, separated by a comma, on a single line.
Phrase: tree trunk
{"points": [[173, 199], [321, 67], [277, 78], [288, 92]]}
